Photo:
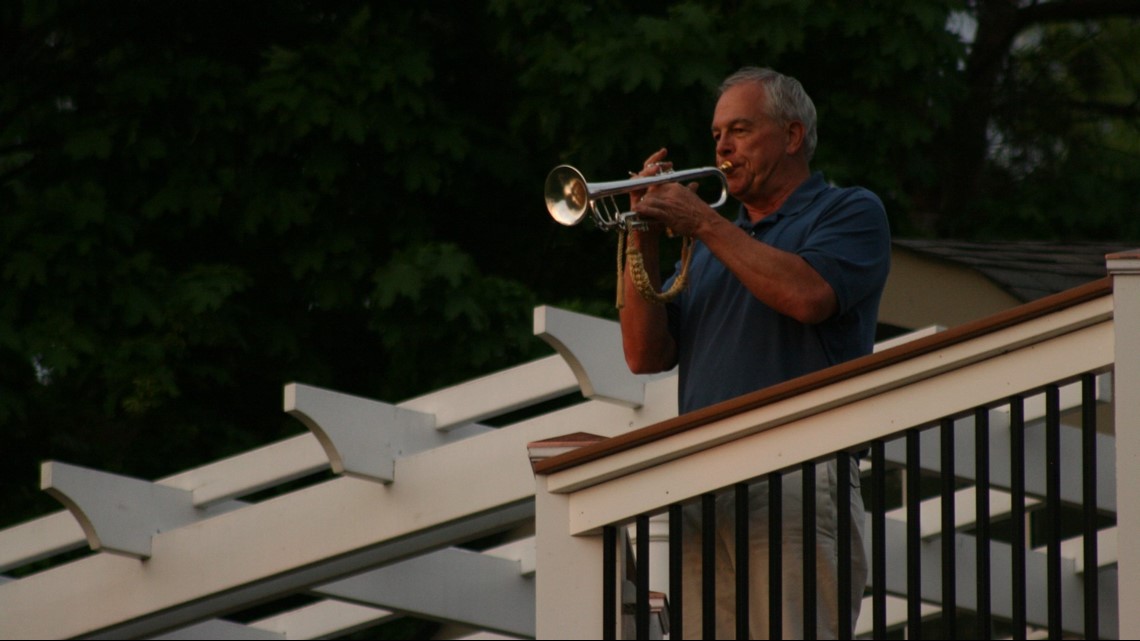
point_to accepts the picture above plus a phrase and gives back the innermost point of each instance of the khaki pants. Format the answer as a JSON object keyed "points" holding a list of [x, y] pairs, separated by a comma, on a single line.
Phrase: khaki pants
{"points": [[827, 577]]}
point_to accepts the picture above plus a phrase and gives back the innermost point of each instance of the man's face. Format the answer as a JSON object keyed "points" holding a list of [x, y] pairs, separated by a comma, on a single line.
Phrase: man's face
{"points": [[758, 146]]}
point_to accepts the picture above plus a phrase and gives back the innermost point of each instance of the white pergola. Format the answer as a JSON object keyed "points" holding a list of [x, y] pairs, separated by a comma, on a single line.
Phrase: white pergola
{"points": [[381, 537]]}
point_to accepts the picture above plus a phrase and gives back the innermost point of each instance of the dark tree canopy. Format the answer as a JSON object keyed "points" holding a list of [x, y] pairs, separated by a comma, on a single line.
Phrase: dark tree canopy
{"points": [[202, 201]]}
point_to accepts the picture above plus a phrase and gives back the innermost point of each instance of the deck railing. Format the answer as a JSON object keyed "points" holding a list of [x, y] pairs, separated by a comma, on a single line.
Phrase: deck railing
{"points": [[988, 450], [955, 461]]}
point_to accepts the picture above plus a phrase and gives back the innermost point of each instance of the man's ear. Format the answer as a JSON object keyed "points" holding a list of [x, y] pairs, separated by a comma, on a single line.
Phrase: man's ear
{"points": [[794, 132]]}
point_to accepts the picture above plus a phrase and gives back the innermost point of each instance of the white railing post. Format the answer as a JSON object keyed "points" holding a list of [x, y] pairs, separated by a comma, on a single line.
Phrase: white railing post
{"points": [[568, 572], [1125, 271], [568, 569]]}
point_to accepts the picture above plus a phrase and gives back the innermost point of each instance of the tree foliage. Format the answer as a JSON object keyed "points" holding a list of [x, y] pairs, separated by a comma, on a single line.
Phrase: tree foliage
{"points": [[200, 202]]}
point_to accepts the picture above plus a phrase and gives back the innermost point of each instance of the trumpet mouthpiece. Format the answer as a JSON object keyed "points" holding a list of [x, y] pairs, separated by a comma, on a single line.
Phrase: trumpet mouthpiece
{"points": [[725, 166]]}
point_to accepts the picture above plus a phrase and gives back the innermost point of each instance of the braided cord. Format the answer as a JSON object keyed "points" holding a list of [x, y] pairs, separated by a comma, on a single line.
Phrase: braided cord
{"points": [[640, 278]]}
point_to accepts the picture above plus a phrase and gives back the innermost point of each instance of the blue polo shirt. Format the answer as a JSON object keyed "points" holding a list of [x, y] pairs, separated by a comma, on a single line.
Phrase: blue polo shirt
{"points": [[730, 343]]}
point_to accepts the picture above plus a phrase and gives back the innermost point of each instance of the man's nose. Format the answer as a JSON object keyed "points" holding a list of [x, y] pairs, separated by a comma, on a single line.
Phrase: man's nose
{"points": [[723, 148]]}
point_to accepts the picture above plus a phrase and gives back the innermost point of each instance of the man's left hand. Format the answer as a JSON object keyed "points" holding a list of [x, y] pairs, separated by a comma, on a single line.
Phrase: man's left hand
{"points": [[675, 207]]}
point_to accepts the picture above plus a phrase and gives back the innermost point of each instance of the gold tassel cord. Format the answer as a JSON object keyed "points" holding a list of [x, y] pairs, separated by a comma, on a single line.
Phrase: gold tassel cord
{"points": [[640, 278]]}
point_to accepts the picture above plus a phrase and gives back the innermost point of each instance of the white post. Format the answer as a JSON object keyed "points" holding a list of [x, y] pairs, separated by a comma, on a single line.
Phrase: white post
{"points": [[568, 572], [1125, 271], [568, 569]]}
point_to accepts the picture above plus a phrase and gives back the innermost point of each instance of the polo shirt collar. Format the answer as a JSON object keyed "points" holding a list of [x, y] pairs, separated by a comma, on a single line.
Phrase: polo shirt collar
{"points": [[800, 199]]}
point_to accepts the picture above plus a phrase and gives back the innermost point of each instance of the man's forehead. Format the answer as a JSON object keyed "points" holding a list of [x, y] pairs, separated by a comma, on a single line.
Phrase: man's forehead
{"points": [[743, 101]]}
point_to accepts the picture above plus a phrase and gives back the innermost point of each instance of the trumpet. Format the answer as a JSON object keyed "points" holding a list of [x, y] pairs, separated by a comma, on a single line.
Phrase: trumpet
{"points": [[569, 196]]}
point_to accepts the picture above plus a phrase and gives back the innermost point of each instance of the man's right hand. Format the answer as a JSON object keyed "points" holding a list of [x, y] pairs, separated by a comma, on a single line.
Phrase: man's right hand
{"points": [[654, 165]]}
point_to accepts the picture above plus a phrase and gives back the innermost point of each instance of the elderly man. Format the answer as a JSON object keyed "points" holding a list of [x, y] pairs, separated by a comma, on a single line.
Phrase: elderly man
{"points": [[791, 287]]}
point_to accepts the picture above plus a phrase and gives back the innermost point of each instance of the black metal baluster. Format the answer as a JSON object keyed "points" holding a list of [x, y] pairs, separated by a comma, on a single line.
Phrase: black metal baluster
{"points": [[775, 556], [609, 582], [913, 537], [1053, 505], [949, 566], [982, 516], [641, 604], [676, 602], [742, 569], [708, 566], [879, 540], [1017, 513], [810, 628], [843, 534], [1089, 509]]}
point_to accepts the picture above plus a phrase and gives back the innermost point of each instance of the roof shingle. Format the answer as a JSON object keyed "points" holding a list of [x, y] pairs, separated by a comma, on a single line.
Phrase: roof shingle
{"points": [[1028, 270]]}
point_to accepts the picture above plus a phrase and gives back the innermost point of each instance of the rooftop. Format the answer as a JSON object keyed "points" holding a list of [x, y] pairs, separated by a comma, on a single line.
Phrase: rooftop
{"points": [[1027, 270]]}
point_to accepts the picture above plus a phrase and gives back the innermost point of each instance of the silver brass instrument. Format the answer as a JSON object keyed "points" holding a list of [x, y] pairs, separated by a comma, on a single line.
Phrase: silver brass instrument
{"points": [[569, 196]]}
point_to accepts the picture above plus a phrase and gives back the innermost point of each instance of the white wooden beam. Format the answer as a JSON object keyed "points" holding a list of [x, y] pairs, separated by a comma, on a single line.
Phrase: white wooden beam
{"points": [[40, 538], [930, 448], [1106, 549], [592, 348], [474, 635], [117, 513], [467, 579], [496, 394], [1001, 584], [320, 620], [896, 614], [363, 437], [965, 513], [521, 551], [220, 629], [253, 471], [209, 484], [324, 619], [453, 585]]}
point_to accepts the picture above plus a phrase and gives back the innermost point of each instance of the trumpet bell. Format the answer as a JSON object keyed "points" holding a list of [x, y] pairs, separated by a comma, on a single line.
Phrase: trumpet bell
{"points": [[567, 195]]}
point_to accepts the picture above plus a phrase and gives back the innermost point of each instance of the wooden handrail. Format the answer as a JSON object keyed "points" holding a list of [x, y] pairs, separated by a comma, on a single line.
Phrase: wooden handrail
{"points": [[835, 374]]}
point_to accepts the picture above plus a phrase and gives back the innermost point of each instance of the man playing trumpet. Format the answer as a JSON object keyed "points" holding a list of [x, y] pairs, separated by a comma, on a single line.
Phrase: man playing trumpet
{"points": [[791, 287]]}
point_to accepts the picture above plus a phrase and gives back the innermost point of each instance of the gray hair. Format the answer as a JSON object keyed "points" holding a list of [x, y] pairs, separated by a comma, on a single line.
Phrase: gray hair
{"points": [[787, 100]]}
